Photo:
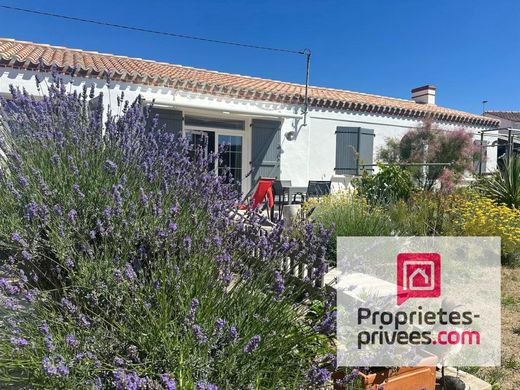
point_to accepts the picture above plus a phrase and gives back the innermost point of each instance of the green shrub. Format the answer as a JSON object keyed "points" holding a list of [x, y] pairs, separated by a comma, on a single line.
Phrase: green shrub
{"points": [[389, 184], [423, 214]]}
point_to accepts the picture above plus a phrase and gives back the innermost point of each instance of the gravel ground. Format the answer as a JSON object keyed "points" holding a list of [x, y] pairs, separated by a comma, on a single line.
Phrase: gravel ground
{"points": [[507, 377]]}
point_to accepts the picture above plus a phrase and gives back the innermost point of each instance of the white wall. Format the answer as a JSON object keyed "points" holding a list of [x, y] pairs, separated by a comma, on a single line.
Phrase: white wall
{"points": [[311, 156]]}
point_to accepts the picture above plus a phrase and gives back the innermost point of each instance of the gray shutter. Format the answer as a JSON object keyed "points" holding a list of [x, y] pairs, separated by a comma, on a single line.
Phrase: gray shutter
{"points": [[170, 119], [354, 150], [265, 149]]}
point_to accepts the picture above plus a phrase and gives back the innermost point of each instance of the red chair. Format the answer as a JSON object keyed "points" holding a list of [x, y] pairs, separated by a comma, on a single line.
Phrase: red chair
{"points": [[264, 190]]}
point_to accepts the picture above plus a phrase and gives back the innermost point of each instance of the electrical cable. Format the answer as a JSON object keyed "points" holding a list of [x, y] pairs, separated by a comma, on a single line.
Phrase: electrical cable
{"points": [[145, 30]]}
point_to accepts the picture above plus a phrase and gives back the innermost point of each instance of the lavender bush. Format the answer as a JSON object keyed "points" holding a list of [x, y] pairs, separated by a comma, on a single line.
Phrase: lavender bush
{"points": [[123, 265]]}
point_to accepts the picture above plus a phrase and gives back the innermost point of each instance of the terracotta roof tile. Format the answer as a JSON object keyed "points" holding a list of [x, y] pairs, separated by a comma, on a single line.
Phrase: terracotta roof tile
{"points": [[508, 115], [19, 54]]}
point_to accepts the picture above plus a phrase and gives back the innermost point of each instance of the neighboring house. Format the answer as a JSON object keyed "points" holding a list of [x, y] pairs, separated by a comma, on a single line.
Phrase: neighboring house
{"points": [[262, 119], [508, 120]]}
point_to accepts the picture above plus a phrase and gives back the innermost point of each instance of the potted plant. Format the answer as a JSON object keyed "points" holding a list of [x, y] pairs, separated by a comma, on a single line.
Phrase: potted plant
{"points": [[420, 377]]}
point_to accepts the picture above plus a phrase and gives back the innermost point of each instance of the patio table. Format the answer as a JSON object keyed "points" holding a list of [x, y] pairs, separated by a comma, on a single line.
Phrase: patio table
{"points": [[293, 190]]}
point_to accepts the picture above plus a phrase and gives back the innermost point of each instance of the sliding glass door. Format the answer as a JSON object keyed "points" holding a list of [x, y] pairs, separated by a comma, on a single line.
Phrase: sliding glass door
{"points": [[232, 153], [231, 145]]}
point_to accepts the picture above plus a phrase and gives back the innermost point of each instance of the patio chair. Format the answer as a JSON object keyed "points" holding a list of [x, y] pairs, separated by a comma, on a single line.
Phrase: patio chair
{"points": [[281, 197], [263, 194], [316, 188]]}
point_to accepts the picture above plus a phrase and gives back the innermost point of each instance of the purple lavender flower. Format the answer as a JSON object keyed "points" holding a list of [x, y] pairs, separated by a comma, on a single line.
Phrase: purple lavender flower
{"points": [[58, 210], [76, 189], [83, 322], [201, 385], [110, 166], [44, 328], [10, 304], [200, 336], [31, 211], [278, 287], [12, 289], [327, 325], [187, 243], [119, 361], [233, 334], [73, 215], [252, 344], [48, 367], [19, 342], [55, 159], [72, 341], [129, 272], [193, 309], [168, 382], [67, 304], [219, 326], [61, 367], [26, 255], [350, 377], [49, 345], [144, 199], [24, 183], [69, 263], [318, 376], [33, 276], [107, 75], [29, 296]]}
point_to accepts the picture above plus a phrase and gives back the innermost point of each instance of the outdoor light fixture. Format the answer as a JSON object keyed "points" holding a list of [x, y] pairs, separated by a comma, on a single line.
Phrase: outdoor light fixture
{"points": [[290, 135]]}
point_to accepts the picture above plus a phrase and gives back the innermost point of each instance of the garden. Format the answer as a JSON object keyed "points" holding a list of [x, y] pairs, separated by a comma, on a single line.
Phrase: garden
{"points": [[402, 200], [125, 265]]}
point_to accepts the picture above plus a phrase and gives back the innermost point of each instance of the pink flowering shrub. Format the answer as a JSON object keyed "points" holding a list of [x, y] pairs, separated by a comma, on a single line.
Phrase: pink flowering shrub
{"points": [[123, 266], [429, 144]]}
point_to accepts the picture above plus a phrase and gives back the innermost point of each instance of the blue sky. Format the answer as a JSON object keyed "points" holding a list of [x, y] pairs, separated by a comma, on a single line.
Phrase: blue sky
{"points": [[470, 49]]}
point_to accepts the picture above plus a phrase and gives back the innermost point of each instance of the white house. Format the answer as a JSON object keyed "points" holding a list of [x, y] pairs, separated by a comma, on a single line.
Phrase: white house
{"points": [[262, 119], [509, 124]]}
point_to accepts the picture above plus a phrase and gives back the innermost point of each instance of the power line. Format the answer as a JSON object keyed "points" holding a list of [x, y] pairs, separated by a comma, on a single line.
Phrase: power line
{"points": [[149, 31]]}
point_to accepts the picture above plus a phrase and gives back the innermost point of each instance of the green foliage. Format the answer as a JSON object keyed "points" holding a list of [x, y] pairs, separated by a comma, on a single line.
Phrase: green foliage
{"points": [[422, 215], [349, 215], [504, 185], [389, 184]]}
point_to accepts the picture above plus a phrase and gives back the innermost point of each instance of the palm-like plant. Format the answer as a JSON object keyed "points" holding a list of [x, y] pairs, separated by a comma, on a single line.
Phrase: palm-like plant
{"points": [[504, 185]]}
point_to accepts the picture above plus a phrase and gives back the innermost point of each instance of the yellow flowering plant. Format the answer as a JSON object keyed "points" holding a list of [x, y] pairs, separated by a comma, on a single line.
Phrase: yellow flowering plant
{"points": [[477, 215]]}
